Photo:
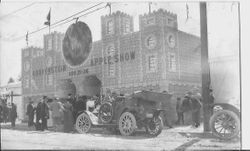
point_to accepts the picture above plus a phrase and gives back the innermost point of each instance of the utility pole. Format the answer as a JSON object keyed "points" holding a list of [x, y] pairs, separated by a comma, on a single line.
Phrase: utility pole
{"points": [[205, 65]]}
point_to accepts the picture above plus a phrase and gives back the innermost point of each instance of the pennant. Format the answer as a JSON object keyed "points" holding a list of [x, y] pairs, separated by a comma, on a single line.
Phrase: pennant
{"points": [[27, 38], [48, 19], [109, 5]]}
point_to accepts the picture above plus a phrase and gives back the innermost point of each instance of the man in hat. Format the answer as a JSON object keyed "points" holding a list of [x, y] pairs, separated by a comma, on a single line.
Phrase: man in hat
{"points": [[13, 115], [56, 108], [210, 101], [179, 110], [195, 107], [30, 113], [44, 113]]}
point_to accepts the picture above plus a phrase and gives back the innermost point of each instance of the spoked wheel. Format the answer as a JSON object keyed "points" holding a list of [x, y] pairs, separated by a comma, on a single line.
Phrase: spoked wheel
{"points": [[83, 123], [225, 124], [127, 124], [106, 112], [154, 126]]}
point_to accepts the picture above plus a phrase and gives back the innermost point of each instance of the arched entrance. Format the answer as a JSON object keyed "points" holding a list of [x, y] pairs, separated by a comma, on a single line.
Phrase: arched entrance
{"points": [[64, 87], [89, 86]]}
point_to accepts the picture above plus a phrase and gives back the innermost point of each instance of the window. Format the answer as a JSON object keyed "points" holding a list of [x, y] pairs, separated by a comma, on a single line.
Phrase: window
{"points": [[151, 41], [26, 66], [152, 63], [49, 44], [171, 40], [40, 53], [150, 21], [26, 53], [34, 53], [172, 62], [49, 79], [127, 26], [26, 82], [170, 21], [111, 50], [111, 66], [110, 27]]}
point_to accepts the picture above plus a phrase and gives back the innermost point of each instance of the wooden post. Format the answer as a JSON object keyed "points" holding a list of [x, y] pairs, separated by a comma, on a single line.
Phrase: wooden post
{"points": [[204, 65]]}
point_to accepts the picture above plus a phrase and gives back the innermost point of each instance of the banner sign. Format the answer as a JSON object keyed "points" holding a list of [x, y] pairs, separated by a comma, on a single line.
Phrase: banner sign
{"points": [[50, 70], [116, 58], [78, 72]]}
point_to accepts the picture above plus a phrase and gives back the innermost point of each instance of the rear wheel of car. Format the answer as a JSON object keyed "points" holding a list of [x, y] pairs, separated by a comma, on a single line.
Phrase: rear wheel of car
{"points": [[154, 126], [83, 123], [225, 124], [127, 124]]}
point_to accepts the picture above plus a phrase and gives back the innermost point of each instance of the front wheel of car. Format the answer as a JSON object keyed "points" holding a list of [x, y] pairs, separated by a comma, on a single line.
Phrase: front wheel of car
{"points": [[154, 126], [225, 124], [83, 123], [127, 124]]}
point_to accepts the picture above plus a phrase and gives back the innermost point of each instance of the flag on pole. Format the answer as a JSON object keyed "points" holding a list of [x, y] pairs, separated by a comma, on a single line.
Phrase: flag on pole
{"points": [[48, 19], [27, 38]]}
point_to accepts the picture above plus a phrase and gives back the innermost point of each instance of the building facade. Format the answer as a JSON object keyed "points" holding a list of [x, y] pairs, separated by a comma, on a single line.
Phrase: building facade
{"points": [[5, 92], [158, 57]]}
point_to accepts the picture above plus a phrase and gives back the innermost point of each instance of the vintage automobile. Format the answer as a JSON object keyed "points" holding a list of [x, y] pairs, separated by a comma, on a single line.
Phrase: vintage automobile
{"points": [[225, 82], [127, 113]]}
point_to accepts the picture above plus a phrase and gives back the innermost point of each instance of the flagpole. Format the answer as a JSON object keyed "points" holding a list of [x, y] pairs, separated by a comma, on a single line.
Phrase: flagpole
{"points": [[49, 18]]}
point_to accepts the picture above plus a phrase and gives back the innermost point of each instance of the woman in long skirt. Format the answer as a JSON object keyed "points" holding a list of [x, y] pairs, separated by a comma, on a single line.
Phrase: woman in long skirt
{"points": [[68, 117]]}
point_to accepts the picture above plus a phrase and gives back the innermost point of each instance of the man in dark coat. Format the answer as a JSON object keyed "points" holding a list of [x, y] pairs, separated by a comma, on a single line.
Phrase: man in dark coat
{"points": [[68, 117], [44, 113], [210, 102], [38, 116], [195, 104], [13, 115], [72, 100], [30, 113], [179, 111]]}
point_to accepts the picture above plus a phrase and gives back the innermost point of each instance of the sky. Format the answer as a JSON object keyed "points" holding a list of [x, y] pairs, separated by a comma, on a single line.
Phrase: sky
{"points": [[222, 25]]}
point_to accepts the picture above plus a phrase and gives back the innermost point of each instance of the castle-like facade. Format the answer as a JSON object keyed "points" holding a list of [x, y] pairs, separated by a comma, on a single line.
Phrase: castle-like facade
{"points": [[158, 57]]}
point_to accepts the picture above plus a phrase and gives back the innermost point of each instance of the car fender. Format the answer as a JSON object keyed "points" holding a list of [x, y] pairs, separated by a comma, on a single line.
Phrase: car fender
{"points": [[93, 117], [227, 106]]}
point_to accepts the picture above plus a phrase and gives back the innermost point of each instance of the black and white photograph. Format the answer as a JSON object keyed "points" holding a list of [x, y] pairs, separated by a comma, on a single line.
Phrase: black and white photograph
{"points": [[121, 75]]}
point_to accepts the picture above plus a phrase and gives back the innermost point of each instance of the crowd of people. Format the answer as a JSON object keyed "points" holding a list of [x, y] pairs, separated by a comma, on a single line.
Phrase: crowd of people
{"points": [[8, 113], [63, 112], [192, 102]]}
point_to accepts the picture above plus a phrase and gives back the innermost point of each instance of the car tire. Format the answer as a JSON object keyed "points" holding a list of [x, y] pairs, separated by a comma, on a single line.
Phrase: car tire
{"points": [[83, 123], [127, 124], [225, 121], [106, 113], [154, 126]]}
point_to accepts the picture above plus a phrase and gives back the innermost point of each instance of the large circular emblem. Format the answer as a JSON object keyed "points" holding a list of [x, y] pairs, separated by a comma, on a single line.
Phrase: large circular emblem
{"points": [[77, 44], [150, 41], [26, 66], [171, 40]]}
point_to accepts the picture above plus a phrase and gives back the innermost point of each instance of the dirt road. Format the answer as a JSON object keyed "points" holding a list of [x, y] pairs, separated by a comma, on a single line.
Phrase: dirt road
{"points": [[170, 139]]}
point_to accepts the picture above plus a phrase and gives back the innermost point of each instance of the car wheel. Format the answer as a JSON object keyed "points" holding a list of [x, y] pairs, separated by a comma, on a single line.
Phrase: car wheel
{"points": [[106, 113], [83, 123], [155, 126], [127, 124], [225, 124]]}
